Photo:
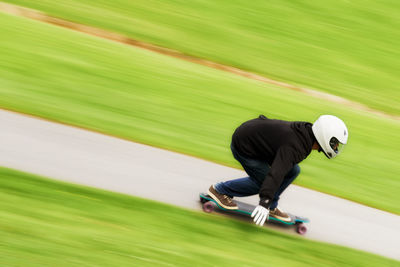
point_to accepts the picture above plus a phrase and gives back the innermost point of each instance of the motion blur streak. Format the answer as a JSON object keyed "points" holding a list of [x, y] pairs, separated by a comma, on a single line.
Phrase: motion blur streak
{"points": [[89, 158], [33, 14]]}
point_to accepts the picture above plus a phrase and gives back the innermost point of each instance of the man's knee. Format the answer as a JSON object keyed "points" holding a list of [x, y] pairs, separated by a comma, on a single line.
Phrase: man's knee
{"points": [[294, 172], [256, 169]]}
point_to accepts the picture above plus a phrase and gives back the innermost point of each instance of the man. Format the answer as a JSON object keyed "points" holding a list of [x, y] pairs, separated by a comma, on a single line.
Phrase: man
{"points": [[269, 151]]}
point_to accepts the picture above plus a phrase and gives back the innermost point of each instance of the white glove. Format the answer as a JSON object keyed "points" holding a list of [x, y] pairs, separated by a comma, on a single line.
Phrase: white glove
{"points": [[260, 215]]}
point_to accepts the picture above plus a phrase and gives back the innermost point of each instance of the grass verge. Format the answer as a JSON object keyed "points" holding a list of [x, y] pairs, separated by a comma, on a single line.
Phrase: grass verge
{"points": [[48, 223], [349, 49], [108, 87]]}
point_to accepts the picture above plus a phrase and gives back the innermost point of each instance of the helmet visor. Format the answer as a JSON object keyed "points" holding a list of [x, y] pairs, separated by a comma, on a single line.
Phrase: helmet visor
{"points": [[336, 145]]}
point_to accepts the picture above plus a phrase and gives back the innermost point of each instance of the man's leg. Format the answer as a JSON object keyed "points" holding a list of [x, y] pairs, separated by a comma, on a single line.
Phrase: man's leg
{"points": [[257, 171], [223, 192], [289, 178], [241, 187]]}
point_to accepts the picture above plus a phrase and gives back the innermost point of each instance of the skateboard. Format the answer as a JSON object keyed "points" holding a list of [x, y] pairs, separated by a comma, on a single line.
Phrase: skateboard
{"points": [[209, 205]]}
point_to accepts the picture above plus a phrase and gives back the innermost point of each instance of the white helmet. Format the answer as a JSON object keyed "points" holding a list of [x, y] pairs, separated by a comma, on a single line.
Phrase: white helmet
{"points": [[331, 134]]}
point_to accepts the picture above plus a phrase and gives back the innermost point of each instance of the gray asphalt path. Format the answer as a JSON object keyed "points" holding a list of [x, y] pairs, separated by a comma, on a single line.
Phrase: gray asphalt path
{"points": [[75, 155]]}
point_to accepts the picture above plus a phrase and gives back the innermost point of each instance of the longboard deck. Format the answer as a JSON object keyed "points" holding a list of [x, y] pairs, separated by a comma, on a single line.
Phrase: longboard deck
{"points": [[247, 209]]}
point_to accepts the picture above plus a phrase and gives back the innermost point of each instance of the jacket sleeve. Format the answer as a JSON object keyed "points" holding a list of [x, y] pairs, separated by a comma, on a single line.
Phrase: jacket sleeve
{"points": [[282, 164]]}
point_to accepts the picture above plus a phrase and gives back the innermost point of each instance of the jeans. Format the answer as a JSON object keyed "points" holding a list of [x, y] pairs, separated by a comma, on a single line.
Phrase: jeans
{"points": [[257, 171]]}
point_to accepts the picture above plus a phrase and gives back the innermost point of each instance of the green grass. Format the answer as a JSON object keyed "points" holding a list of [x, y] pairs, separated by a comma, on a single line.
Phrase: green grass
{"points": [[77, 79], [347, 48], [49, 223]]}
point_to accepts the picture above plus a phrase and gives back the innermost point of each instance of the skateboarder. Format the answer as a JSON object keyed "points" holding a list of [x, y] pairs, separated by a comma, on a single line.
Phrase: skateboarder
{"points": [[269, 151]]}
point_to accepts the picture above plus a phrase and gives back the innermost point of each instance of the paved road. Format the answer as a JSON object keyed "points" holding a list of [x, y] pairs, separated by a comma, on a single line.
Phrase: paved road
{"points": [[79, 156]]}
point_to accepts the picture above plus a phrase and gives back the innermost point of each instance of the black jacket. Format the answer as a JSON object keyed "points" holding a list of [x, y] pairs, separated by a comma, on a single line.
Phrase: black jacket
{"points": [[282, 144]]}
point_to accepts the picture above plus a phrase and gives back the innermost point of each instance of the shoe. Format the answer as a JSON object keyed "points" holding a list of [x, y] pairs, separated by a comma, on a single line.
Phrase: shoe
{"points": [[222, 200], [280, 215]]}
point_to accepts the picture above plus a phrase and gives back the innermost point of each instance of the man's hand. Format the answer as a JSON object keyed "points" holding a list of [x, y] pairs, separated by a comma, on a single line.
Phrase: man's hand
{"points": [[260, 215]]}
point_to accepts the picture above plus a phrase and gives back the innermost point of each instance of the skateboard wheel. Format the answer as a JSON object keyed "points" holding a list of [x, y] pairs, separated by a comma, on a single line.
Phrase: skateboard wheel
{"points": [[208, 207], [301, 229]]}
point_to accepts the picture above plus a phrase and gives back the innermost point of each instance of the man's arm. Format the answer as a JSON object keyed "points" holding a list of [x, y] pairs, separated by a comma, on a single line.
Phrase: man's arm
{"points": [[283, 162]]}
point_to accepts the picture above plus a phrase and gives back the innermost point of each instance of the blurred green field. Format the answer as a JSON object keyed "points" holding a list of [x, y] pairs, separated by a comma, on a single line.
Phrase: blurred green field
{"points": [[108, 87], [49, 223], [347, 48]]}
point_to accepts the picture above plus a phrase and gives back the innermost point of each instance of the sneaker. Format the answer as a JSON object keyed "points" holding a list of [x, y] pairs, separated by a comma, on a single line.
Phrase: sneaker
{"points": [[222, 200], [280, 215]]}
